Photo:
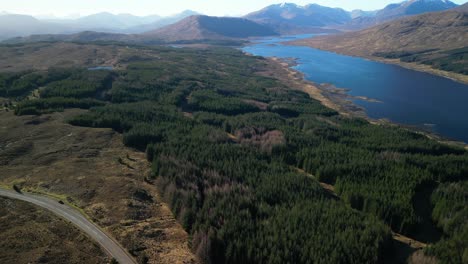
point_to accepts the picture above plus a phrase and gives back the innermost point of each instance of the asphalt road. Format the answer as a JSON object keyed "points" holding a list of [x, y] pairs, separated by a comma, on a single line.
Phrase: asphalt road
{"points": [[114, 249]]}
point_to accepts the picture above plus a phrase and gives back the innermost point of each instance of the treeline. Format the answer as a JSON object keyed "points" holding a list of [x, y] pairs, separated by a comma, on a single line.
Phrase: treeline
{"points": [[81, 84], [451, 60], [204, 118], [61, 88], [40, 106], [19, 85]]}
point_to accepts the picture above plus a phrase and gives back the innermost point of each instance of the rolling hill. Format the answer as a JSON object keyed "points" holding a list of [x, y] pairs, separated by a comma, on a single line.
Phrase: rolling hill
{"points": [[205, 27], [437, 39]]}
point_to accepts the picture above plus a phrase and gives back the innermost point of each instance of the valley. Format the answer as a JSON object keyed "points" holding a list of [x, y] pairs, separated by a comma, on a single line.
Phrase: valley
{"points": [[250, 137], [223, 135]]}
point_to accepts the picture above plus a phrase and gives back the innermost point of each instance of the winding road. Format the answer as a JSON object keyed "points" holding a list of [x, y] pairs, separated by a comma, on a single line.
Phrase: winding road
{"points": [[114, 249]]}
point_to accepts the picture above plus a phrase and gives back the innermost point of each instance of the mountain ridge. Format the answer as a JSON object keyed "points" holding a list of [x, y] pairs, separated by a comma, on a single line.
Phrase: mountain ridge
{"points": [[399, 10], [201, 27]]}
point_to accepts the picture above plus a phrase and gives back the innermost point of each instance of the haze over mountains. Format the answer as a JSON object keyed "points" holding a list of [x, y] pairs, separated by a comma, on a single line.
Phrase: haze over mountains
{"points": [[14, 25], [286, 18]]}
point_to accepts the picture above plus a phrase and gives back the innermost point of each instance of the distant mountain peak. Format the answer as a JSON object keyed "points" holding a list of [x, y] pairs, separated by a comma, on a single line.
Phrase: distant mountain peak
{"points": [[290, 15], [288, 5], [188, 12]]}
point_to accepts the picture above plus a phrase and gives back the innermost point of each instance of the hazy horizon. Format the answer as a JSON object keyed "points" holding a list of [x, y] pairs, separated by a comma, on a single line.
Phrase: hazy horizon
{"points": [[74, 9]]}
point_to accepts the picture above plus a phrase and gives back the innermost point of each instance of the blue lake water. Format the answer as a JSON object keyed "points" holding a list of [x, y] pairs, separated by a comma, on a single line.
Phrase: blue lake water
{"points": [[406, 96]]}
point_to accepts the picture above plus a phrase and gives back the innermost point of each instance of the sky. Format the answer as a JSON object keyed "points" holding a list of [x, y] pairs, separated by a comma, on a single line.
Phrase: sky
{"points": [[64, 8]]}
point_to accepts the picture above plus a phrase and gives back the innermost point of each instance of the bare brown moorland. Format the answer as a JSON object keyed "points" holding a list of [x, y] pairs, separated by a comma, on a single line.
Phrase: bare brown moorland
{"points": [[41, 237], [91, 169]]}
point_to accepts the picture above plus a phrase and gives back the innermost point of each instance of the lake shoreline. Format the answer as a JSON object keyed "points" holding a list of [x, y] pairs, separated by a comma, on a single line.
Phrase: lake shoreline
{"points": [[457, 77], [339, 100]]}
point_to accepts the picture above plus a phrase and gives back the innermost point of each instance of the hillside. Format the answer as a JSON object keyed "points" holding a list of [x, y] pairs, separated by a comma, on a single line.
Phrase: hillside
{"points": [[436, 39], [397, 11], [206, 27]]}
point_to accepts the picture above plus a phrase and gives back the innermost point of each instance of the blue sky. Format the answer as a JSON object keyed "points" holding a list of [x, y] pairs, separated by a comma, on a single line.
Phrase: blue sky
{"points": [[168, 7]]}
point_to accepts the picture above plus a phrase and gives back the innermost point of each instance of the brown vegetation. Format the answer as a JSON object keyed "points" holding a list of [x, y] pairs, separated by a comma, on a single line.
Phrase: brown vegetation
{"points": [[41, 56], [93, 170], [260, 137], [33, 235], [418, 257]]}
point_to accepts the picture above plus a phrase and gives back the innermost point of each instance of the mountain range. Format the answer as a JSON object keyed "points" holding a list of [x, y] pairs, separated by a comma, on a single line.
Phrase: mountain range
{"points": [[191, 29], [286, 18], [14, 25]]}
